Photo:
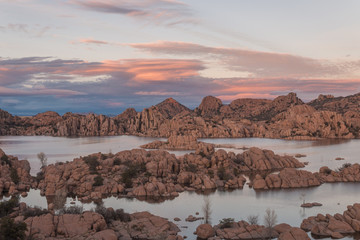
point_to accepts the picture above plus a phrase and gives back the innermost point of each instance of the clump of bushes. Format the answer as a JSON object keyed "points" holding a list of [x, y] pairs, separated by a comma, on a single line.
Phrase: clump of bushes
{"points": [[6, 207], [345, 165], [98, 181], [5, 160], [14, 176], [9, 229], [131, 172], [191, 168], [226, 222], [222, 174], [117, 161], [71, 210], [34, 212], [110, 215], [92, 162]]}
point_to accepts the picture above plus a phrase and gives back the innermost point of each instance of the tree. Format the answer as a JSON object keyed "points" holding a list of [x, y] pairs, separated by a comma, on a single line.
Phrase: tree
{"points": [[253, 219], [43, 159], [270, 219], [207, 209], [9, 229]]}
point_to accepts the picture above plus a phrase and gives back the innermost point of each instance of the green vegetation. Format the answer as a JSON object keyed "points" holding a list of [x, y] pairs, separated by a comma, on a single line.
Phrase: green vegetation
{"points": [[9, 230], [14, 176], [98, 181], [131, 172], [5, 160], [226, 222], [6, 207], [92, 162]]}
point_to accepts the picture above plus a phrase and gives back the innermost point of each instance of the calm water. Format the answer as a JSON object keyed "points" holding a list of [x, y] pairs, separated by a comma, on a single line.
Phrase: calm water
{"points": [[237, 204], [61, 149]]}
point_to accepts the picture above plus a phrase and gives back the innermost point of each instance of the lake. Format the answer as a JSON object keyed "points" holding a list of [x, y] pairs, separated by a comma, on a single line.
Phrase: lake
{"points": [[238, 204]]}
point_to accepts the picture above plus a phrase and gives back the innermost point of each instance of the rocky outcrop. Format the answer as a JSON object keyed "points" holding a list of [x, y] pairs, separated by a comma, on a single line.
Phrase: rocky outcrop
{"points": [[15, 175], [170, 108], [347, 173], [174, 142], [243, 230], [287, 178], [205, 231], [144, 225], [157, 174], [294, 233], [66, 226], [335, 226]]}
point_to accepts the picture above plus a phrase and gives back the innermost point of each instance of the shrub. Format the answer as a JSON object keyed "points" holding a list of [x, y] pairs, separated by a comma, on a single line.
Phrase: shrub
{"points": [[6, 207], [40, 176], [226, 222], [98, 181], [211, 173], [131, 172], [191, 168], [117, 161], [5, 160], [92, 162], [11, 230], [222, 174], [345, 165], [14, 176], [71, 210], [34, 212], [253, 219], [109, 214], [103, 156]]}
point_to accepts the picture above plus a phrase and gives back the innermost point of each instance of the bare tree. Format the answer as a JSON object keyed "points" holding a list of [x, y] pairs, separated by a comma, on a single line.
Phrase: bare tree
{"points": [[253, 219], [302, 197], [43, 159], [270, 219], [207, 209]]}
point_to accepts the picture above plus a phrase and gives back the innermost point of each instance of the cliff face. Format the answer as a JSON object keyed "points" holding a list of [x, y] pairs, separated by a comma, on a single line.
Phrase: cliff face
{"points": [[284, 117]]}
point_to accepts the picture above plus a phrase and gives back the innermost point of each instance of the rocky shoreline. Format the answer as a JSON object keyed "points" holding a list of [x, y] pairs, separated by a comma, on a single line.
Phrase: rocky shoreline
{"points": [[286, 117]]}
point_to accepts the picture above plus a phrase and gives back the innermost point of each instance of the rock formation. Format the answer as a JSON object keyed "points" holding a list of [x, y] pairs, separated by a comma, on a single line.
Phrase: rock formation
{"points": [[335, 226], [284, 117], [157, 174], [15, 175]]}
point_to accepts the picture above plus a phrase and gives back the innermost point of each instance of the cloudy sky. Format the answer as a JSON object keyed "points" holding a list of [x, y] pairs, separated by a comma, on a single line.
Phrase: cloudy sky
{"points": [[106, 55]]}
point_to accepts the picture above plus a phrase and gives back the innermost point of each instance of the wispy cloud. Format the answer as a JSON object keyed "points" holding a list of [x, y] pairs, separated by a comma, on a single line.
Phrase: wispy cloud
{"points": [[32, 30], [162, 12], [38, 92], [257, 63]]}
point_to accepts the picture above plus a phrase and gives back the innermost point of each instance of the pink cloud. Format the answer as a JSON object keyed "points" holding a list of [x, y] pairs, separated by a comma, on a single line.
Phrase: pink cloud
{"points": [[28, 92], [259, 64]]}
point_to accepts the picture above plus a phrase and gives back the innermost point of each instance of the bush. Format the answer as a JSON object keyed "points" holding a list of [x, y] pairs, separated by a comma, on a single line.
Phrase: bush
{"points": [[40, 176], [34, 212], [222, 174], [103, 156], [92, 162], [226, 222], [98, 181], [71, 210], [43, 159], [211, 173], [345, 165], [6, 207], [191, 168], [117, 161], [109, 214], [11, 230], [5, 160], [253, 219], [131, 172], [14, 176]]}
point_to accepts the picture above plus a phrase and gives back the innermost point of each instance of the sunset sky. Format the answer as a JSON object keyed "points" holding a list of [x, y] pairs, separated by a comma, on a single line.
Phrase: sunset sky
{"points": [[104, 56]]}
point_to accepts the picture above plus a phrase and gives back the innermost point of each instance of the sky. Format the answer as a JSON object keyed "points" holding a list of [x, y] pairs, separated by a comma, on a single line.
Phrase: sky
{"points": [[104, 56]]}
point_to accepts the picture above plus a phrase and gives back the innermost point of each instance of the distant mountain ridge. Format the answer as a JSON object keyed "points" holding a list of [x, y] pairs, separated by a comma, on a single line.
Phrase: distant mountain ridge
{"points": [[284, 117]]}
